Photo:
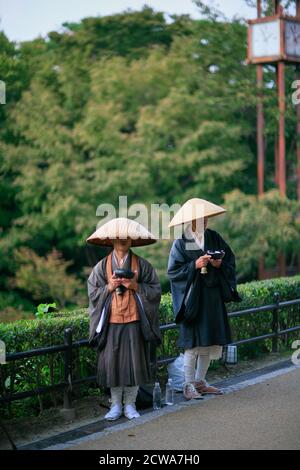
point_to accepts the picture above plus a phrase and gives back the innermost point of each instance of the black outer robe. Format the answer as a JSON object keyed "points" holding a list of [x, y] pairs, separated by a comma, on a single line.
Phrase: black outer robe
{"points": [[211, 326]]}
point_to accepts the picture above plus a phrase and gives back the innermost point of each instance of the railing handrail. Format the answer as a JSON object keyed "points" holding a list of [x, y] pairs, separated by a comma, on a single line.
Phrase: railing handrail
{"points": [[163, 327]]}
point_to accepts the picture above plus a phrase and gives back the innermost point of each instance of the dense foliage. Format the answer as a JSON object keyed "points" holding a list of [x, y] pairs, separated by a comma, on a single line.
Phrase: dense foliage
{"points": [[132, 105]]}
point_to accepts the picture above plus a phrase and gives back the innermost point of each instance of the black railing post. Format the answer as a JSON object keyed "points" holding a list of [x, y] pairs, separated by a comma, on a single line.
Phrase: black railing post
{"points": [[67, 411], [275, 322]]}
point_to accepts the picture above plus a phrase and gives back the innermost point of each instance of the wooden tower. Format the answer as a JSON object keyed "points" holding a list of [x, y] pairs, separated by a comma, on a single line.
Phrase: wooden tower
{"points": [[274, 40]]}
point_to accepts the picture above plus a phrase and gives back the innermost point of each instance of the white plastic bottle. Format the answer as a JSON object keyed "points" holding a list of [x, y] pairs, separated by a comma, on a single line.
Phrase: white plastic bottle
{"points": [[156, 396], [169, 393]]}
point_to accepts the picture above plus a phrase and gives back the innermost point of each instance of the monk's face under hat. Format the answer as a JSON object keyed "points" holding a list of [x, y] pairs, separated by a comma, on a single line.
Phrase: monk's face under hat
{"points": [[122, 244], [196, 223]]}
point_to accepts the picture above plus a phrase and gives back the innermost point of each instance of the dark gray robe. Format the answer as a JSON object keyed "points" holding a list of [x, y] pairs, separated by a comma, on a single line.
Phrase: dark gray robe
{"points": [[210, 327], [124, 356], [149, 292]]}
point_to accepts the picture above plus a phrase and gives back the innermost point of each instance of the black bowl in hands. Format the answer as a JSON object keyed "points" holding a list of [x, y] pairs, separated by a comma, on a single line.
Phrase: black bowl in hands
{"points": [[123, 273], [215, 254]]}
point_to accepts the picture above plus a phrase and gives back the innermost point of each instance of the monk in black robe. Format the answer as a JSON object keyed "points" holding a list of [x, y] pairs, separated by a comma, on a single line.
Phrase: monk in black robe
{"points": [[199, 302]]}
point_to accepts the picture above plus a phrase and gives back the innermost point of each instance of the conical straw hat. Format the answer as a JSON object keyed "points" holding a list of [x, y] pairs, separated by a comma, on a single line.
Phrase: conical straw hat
{"points": [[121, 228], [195, 209]]}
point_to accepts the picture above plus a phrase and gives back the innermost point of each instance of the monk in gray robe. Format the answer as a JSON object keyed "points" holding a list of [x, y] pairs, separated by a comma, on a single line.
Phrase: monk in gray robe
{"points": [[124, 314]]}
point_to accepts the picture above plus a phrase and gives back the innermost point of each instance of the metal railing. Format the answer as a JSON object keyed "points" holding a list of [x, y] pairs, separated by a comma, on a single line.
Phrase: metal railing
{"points": [[69, 346]]}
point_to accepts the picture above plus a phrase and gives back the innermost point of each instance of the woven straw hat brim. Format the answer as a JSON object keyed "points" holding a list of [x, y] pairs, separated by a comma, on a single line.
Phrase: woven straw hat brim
{"points": [[195, 209], [121, 228], [110, 242]]}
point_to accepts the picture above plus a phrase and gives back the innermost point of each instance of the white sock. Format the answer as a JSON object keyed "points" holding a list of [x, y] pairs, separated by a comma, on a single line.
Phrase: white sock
{"points": [[203, 362], [130, 394], [116, 395], [189, 364]]}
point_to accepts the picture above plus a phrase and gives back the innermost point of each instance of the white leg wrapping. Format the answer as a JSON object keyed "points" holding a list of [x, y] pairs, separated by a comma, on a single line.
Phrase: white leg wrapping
{"points": [[202, 367], [130, 394], [189, 364], [116, 395]]}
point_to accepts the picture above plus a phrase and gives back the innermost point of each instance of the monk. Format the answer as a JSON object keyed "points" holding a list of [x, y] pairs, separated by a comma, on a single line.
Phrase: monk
{"points": [[124, 314], [200, 286]]}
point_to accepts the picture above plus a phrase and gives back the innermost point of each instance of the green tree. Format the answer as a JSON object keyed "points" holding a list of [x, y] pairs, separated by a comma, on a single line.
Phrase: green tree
{"points": [[46, 279], [133, 105]]}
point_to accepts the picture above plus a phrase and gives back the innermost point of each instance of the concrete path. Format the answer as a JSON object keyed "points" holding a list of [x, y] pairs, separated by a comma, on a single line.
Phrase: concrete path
{"points": [[262, 413]]}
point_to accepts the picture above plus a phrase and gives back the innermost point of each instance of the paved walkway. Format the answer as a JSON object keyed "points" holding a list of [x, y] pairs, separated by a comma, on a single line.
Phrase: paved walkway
{"points": [[261, 413]]}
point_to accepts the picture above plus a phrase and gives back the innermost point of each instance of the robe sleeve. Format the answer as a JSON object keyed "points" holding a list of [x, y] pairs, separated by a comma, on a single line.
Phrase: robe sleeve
{"points": [[149, 286], [181, 272], [97, 293], [228, 263], [228, 268], [149, 291]]}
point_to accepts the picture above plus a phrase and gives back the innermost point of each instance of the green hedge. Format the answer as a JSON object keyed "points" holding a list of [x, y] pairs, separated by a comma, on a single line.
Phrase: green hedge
{"points": [[44, 370]]}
